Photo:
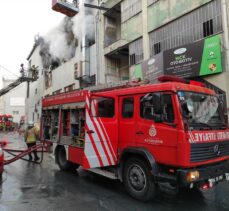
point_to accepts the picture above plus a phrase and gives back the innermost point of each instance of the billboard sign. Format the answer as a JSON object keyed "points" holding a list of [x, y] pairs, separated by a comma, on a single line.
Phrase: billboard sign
{"points": [[192, 60], [196, 59]]}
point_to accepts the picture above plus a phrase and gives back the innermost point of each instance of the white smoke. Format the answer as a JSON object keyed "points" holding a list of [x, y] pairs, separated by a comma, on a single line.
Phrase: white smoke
{"points": [[84, 22], [59, 45], [60, 42]]}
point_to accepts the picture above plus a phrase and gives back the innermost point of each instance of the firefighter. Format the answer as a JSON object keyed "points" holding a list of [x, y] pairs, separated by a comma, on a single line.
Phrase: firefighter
{"points": [[75, 3], [22, 70], [31, 136], [34, 71]]}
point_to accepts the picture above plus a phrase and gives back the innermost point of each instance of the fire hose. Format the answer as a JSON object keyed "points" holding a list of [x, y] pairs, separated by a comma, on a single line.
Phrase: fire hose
{"points": [[24, 153]]}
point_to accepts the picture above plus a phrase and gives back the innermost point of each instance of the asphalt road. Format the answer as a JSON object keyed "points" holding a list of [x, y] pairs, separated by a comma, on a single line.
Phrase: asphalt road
{"points": [[32, 187]]}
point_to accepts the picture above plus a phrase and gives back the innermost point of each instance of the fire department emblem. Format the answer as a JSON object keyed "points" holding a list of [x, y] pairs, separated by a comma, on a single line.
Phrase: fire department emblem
{"points": [[152, 131]]}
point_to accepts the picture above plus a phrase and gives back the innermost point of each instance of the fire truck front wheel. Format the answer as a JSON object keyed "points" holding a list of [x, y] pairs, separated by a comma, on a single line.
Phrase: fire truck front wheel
{"points": [[61, 159], [138, 180]]}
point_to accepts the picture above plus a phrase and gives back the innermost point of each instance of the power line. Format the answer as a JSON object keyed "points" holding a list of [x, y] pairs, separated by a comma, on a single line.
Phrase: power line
{"points": [[8, 70]]}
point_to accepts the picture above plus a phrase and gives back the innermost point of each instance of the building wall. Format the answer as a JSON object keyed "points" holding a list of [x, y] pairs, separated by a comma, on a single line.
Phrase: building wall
{"points": [[132, 28], [36, 90], [154, 15], [164, 11], [14, 100]]}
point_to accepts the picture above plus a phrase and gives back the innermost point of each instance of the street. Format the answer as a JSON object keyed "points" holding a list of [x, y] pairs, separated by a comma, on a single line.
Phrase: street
{"points": [[29, 186]]}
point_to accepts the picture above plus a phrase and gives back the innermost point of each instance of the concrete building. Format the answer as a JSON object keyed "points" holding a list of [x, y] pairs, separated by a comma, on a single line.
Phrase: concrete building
{"points": [[13, 102], [131, 39], [65, 57], [147, 38]]}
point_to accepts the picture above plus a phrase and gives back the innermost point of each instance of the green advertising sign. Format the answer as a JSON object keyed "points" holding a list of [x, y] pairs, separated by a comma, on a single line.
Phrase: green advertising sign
{"points": [[195, 59], [192, 60], [211, 58]]}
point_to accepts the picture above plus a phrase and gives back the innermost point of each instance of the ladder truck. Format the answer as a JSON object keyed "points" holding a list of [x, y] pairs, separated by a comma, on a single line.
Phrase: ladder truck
{"points": [[173, 132]]}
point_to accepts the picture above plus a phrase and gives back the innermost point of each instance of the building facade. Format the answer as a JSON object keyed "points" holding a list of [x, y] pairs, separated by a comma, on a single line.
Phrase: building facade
{"points": [[13, 102], [127, 39], [147, 38]]}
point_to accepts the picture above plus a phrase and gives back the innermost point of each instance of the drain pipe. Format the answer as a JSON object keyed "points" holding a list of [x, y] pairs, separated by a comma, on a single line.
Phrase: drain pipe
{"points": [[225, 30]]}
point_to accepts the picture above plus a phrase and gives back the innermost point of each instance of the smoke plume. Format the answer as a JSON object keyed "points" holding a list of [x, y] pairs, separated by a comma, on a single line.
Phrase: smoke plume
{"points": [[60, 43]]}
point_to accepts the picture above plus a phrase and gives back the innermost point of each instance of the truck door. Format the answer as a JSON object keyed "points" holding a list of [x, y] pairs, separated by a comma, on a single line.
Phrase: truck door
{"points": [[127, 115], [156, 125], [101, 132]]}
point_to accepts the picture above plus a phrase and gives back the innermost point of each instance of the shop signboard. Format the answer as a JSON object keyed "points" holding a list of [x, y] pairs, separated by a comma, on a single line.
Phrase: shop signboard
{"points": [[196, 59]]}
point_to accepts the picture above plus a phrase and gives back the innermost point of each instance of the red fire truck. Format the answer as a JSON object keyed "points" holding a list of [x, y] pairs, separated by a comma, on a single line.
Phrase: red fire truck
{"points": [[9, 124], [173, 132], [2, 122], [6, 122]]}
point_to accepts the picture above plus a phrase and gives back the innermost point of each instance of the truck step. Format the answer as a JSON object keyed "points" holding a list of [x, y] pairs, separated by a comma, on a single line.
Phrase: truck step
{"points": [[104, 173]]}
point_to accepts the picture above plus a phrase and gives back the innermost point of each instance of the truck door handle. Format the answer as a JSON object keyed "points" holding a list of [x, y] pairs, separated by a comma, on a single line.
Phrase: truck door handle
{"points": [[139, 133], [90, 131]]}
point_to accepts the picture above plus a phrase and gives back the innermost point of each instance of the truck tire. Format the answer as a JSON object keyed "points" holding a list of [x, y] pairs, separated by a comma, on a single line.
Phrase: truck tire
{"points": [[61, 159], [138, 180]]}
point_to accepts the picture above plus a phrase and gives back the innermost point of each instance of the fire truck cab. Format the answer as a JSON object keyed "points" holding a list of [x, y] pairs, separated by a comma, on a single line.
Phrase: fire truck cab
{"points": [[170, 132]]}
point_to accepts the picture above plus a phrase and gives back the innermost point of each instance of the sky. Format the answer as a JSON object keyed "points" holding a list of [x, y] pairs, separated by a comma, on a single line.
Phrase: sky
{"points": [[20, 21]]}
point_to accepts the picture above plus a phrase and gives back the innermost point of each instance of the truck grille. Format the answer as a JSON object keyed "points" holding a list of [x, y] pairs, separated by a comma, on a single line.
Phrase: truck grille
{"points": [[208, 151]]}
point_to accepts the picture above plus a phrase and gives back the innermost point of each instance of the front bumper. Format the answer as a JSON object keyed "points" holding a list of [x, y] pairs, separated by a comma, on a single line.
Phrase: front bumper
{"points": [[211, 173]]}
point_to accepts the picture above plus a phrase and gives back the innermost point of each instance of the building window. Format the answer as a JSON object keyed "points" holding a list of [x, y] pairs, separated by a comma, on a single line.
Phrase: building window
{"points": [[102, 107], [132, 59], [208, 28], [157, 107], [15, 112], [69, 88], [136, 52], [157, 48], [57, 92], [130, 8], [128, 107]]}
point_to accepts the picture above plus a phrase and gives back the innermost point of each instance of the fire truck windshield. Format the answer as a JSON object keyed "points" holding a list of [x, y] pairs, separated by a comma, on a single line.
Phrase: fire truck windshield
{"points": [[201, 110]]}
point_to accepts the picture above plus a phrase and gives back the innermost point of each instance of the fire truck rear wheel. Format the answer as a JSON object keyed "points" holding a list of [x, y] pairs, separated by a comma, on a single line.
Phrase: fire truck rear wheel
{"points": [[138, 180], [63, 163]]}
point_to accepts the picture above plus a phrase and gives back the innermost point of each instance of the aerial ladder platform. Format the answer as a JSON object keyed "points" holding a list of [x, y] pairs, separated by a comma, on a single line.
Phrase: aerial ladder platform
{"points": [[15, 84], [30, 77]]}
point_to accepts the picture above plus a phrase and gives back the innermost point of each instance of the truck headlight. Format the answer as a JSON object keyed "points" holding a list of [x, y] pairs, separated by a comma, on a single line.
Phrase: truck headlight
{"points": [[192, 176]]}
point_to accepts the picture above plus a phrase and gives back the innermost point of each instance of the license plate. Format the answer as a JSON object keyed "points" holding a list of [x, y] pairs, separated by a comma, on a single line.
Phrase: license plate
{"points": [[227, 176], [217, 179]]}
